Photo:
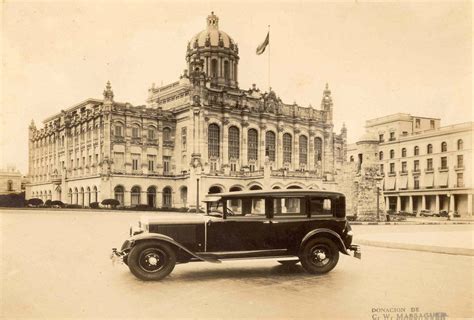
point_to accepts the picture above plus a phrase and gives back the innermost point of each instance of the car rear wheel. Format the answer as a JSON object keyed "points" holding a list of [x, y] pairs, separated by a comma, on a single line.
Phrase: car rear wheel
{"points": [[319, 255], [151, 260]]}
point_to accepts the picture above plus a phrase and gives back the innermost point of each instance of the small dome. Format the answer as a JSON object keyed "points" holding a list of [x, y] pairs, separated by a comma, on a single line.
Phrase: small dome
{"points": [[368, 137], [212, 36]]}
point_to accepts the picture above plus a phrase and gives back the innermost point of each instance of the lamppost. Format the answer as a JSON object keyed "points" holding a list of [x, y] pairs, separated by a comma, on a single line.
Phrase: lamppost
{"points": [[378, 179]]}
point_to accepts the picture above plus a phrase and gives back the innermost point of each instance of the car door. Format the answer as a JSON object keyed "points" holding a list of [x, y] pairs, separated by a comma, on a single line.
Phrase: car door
{"points": [[245, 230]]}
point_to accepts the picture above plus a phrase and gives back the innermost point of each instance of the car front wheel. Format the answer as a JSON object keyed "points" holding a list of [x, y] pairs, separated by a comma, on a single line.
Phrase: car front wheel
{"points": [[151, 260], [319, 255]]}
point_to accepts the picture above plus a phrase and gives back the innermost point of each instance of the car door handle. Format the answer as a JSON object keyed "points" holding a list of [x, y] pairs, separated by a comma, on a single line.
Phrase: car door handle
{"points": [[270, 221]]}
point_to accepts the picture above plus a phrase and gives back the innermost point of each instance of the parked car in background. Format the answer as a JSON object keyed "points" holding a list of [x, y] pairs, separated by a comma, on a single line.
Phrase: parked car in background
{"points": [[443, 213], [428, 213], [292, 226]]}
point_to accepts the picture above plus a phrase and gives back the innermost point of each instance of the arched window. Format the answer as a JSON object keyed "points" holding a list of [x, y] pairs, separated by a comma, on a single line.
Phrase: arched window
{"points": [[135, 131], [135, 193], [95, 197], [76, 196], [151, 133], [166, 134], [404, 152], [184, 196], [151, 196], [118, 130], [303, 144], [9, 185], [381, 155], [392, 154], [234, 142], [444, 146], [287, 145], [252, 144], [270, 145], [213, 139], [351, 159], [88, 196], [167, 197], [460, 144], [69, 196], [226, 70], [429, 148], [318, 149], [416, 151], [214, 68], [81, 197], [118, 194]]}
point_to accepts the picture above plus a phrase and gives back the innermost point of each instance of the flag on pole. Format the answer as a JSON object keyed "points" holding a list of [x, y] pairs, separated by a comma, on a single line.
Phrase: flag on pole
{"points": [[264, 44]]}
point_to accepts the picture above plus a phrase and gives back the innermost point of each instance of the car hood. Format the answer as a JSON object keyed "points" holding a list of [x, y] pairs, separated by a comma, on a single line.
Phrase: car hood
{"points": [[184, 218]]}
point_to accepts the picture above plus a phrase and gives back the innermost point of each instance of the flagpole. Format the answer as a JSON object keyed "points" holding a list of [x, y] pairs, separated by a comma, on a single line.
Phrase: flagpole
{"points": [[269, 46]]}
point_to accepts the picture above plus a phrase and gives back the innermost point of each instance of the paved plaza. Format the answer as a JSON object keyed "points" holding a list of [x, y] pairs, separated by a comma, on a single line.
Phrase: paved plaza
{"points": [[56, 265]]}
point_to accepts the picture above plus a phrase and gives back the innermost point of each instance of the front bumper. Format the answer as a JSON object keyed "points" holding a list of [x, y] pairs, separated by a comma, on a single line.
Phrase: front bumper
{"points": [[117, 256], [357, 251]]}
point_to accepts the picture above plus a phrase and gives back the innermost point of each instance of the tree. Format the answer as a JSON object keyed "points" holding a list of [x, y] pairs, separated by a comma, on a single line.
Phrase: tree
{"points": [[110, 202], [35, 202]]}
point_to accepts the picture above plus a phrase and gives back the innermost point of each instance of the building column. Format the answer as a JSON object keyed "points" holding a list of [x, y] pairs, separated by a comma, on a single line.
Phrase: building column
{"points": [[469, 204], [423, 202], [387, 204], [452, 204], [399, 202], [410, 204], [437, 203]]}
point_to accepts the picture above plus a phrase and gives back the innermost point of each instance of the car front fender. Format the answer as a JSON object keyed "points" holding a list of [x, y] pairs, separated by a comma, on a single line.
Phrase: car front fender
{"points": [[161, 237], [329, 234]]}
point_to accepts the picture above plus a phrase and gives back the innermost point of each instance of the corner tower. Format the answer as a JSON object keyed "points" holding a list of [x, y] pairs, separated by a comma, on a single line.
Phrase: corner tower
{"points": [[214, 54]]}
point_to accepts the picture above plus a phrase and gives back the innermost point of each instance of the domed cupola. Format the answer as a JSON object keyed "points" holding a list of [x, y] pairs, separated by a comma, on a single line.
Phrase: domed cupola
{"points": [[215, 54]]}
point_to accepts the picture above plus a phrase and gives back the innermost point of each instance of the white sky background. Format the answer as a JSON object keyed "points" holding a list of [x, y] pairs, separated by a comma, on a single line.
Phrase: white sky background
{"points": [[378, 58]]}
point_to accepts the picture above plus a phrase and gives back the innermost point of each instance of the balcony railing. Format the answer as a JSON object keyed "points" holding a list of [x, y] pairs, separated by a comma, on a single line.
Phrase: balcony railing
{"points": [[429, 170], [460, 185], [415, 171], [458, 168], [403, 172], [391, 173], [442, 169]]}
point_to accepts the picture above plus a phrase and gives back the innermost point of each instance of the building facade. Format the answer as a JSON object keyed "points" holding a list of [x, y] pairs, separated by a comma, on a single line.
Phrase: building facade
{"points": [[201, 134], [424, 166], [10, 181]]}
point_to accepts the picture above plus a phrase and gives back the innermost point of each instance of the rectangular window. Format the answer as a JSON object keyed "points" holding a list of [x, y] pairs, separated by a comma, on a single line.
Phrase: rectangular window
{"points": [[392, 168], [444, 162], [416, 182], [135, 161], [119, 159], [416, 165], [432, 124], [320, 206], [135, 132], [233, 167], [460, 162], [392, 136], [381, 169], [252, 167], [404, 166], [429, 164], [460, 180], [213, 166], [381, 138], [151, 133], [166, 164], [151, 163], [417, 123], [184, 140]]}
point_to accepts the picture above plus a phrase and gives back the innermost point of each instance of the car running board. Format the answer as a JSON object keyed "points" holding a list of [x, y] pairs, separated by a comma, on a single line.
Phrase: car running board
{"points": [[242, 254]]}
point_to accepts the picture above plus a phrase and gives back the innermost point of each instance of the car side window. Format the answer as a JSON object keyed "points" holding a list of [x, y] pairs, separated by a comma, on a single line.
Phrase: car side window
{"points": [[247, 207], [289, 206], [320, 206]]}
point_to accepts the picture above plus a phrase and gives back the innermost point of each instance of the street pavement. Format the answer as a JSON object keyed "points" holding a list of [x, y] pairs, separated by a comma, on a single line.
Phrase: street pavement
{"points": [[56, 265]]}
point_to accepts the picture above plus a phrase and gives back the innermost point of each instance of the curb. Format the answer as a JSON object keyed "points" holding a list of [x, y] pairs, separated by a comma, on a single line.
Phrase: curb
{"points": [[352, 223], [417, 247]]}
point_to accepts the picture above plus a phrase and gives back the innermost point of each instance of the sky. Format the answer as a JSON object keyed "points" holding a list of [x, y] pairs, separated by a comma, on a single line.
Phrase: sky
{"points": [[378, 58]]}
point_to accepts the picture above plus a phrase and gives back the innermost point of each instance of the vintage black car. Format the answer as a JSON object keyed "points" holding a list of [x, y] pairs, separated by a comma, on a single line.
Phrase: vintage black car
{"points": [[294, 226]]}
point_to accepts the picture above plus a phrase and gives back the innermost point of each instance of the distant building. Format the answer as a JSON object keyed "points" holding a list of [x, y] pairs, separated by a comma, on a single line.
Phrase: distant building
{"points": [[10, 181], [201, 134], [424, 166]]}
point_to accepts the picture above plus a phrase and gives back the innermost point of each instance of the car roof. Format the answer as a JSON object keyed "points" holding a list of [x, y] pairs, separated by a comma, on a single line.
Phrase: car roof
{"points": [[273, 192]]}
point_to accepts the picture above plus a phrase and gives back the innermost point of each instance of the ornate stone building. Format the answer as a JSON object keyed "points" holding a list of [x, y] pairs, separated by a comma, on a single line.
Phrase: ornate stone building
{"points": [[201, 134]]}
